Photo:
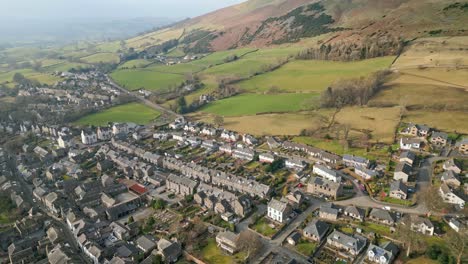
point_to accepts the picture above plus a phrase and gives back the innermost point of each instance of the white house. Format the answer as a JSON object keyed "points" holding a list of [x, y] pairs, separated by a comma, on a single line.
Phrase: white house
{"points": [[450, 197], [266, 158], [410, 143], [88, 138], [278, 210], [383, 254], [120, 129], [326, 173]]}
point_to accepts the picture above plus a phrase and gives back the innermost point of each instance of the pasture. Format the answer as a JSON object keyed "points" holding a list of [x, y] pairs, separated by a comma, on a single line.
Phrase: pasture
{"points": [[105, 57], [271, 124], [132, 112], [313, 75], [251, 104], [448, 121], [134, 79], [44, 78], [138, 63]]}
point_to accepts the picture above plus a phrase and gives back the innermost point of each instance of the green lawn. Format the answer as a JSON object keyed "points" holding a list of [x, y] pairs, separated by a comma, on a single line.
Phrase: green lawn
{"points": [[44, 78], [398, 201], [313, 75], [213, 255], [262, 227], [135, 79], [306, 248], [104, 57], [250, 104], [132, 112]]}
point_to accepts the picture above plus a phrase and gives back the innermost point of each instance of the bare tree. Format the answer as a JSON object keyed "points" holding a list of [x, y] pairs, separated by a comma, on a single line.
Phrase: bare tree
{"points": [[250, 243], [218, 121], [457, 243], [409, 238]]}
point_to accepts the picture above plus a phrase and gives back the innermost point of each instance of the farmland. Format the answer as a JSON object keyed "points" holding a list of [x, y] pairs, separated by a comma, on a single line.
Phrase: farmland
{"points": [[44, 78], [312, 75], [135, 79], [105, 57], [250, 104], [132, 112]]}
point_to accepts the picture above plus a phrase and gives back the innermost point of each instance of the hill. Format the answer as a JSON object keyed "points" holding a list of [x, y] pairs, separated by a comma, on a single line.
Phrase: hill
{"points": [[261, 23]]}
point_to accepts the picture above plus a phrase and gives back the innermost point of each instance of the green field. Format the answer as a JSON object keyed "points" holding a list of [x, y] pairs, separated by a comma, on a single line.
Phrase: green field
{"points": [[66, 66], [249, 104], [142, 78], [105, 57], [139, 63], [178, 68], [44, 78], [312, 75], [132, 112]]}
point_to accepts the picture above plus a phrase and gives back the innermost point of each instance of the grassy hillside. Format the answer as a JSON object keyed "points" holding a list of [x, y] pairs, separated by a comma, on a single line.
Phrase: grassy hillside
{"points": [[249, 104], [132, 112], [313, 76], [135, 79]]}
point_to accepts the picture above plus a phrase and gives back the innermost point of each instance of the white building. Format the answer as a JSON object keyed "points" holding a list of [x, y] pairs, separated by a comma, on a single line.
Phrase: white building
{"points": [[278, 210], [326, 173], [88, 138], [450, 197], [120, 129], [410, 143]]}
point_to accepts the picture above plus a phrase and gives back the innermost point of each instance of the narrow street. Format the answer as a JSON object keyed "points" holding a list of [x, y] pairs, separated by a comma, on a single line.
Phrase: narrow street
{"points": [[27, 192]]}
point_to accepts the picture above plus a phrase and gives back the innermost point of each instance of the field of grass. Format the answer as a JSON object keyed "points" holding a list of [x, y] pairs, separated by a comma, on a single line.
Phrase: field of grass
{"points": [[434, 52], [132, 112], [44, 78], [270, 124], [66, 66], [312, 75], [449, 121], [139, 63], [154, 38], [219, 56], [178, 68], [176, 52], [105, 57], [381, 123], [250, 104], [134, 79]]}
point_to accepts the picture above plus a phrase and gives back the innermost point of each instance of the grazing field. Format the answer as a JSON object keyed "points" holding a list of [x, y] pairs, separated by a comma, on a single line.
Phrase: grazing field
{"points": [[249, 104], [219, 56], [44, 78], [251, 63], [421, 96], [313, 75], [381, 123], [272, 124], [135, 79], [177, 68], [154, 38], [105, 57], [132, 112], [66, 66], [176, 52], [139, 63], [434, 52], [449, 121], [435, 76]]}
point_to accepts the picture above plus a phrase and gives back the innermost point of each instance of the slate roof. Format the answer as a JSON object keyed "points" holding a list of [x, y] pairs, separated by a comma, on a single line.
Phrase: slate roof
{"points": [[403, 167], [277, 205], [317, 228], [398, 186]]}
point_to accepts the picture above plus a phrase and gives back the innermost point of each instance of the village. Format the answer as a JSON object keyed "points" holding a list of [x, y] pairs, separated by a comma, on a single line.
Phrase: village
{"points": [[126, 193]]}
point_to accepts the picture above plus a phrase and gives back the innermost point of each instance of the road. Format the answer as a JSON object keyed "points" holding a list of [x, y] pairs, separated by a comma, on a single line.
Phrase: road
{"points": [[144, 100], [274, 245], [27, 195]]}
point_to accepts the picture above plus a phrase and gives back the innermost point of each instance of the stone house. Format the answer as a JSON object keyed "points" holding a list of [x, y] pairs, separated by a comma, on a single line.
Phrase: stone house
{"points": [[384, 254], [382, 216], [319, 186], [353, 244], [408, 157], [398, 190], [402, 172], [439, 138], [355, 212], [328, 212], [316, 230], [228, 241], [326, 173], [180, 185], [422, 225]]}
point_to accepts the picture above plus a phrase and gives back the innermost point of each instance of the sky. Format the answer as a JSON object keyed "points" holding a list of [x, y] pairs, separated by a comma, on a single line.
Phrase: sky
{"points": [[105, 9]]}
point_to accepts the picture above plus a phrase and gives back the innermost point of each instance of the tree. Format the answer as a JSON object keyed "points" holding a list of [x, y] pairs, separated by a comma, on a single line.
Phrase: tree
{"points": [[250, 243], [431, 198], [457, 243], [218, 121], [409, 238], [130, 220], [181, 105], [158, 204], [158, 259], [285, 190]]}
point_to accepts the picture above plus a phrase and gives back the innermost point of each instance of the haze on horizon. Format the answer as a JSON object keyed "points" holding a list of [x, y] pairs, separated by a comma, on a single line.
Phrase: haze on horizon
{"points": [[66, 21], [107, 9]]}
